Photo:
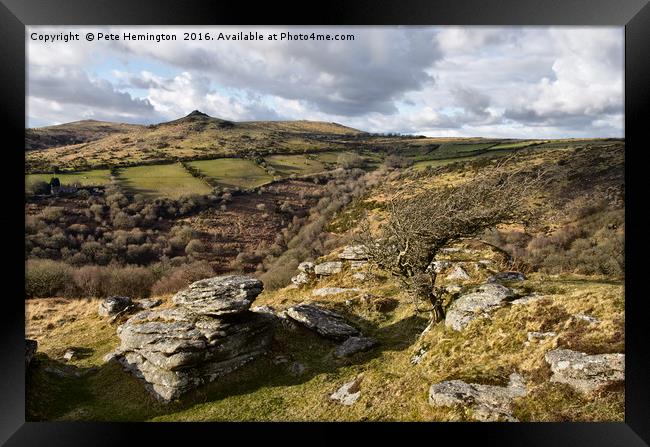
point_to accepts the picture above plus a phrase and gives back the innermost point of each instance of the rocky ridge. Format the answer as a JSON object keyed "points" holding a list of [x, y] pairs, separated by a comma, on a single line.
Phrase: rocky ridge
{"points": [[208, 333]]}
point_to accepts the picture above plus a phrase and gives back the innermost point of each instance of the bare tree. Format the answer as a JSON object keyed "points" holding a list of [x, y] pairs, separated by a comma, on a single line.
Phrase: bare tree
{"points": [[423, 220]]}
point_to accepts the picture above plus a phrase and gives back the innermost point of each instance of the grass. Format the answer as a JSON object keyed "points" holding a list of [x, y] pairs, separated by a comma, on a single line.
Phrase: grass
{"points": [[392, 388], [96, 177], [169, 180], [286, 165], [233, 172]]}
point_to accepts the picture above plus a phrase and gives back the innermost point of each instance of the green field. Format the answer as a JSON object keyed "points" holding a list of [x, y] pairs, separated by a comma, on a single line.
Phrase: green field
{"points": [[514, 144], [95, 177], [455, 150], [171, 180], [233, 172], [285, 165]]}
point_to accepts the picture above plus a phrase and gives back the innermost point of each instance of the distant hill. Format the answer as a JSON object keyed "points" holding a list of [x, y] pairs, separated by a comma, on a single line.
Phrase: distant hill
{"points": [[73, 133], [88, 144]]}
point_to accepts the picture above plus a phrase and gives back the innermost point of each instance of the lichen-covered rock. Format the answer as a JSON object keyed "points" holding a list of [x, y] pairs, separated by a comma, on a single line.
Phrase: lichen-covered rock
{"points": [[585, 372], [210, 332], [354, 253], [328, 268], [114, 305], [300, 279], [479, 303], [30, 350], [354, 345], [306, 267], [588, 318], [458, 273], [534, 336], [176, 349], [348, 393], [439, 266], [506, 277], [69, 354], [325, 322], [358, 265], [489, 403], [359, 276], [325, 291], [149, 303], [220, 295]]}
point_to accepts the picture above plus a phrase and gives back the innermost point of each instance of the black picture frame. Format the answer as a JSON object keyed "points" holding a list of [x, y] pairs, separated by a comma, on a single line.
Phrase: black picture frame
{"points": [[633, 14]]}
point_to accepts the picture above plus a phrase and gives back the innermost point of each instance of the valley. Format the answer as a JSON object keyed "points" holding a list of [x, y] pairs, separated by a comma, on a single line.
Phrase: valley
{"points": [[146, 211]]}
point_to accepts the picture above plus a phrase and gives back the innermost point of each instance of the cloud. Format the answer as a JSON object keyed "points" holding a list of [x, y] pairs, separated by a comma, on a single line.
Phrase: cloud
{"points": [[177, 96], [53, 89], [586, 86], [341, 78], [556, 81]]}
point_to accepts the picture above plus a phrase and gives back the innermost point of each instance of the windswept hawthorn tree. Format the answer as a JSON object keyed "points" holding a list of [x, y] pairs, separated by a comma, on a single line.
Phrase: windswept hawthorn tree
{"points": [[422, 221]]}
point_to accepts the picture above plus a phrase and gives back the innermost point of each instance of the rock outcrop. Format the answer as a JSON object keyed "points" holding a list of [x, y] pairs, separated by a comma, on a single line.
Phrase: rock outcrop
{"points": [[458, 273], [354, 345], [489, 403], [479, 303], [220, 295], [348, 393], [328, 268], [114, 305], [325, 291], [305, 274], [149, 303], [325, 322], [210, 332], [354, 253], [585, 372]]}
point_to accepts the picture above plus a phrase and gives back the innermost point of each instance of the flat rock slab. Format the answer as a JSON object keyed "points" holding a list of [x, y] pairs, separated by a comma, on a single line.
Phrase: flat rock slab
{"points": [[220, 295], [325, 291], [479, 303], [328, 268], [585, 372], [354, 253], [325, 322], [348, 393], [114, 305], [489, 403], [354, 345], [149, 303]]}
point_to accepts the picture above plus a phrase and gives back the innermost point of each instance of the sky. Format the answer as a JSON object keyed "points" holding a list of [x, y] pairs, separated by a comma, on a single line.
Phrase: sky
{"points": [[510, 82]]}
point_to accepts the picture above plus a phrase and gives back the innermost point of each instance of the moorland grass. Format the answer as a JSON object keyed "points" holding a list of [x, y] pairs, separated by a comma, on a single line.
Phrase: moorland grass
{"points": [[233, 172], [164, 180], [95, 177]]}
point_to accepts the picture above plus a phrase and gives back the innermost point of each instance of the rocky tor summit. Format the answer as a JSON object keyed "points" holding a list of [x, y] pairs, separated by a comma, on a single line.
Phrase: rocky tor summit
{"points": [[208, 333]]}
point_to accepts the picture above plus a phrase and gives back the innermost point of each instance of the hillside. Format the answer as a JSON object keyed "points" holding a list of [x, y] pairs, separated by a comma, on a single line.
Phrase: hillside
{"points": [[195, 136], [73, 133], [568, 295]]}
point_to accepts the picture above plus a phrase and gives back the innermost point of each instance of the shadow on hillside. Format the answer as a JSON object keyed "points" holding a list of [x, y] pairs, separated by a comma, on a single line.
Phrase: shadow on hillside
{"points": [[61, 390], [303, 347]]}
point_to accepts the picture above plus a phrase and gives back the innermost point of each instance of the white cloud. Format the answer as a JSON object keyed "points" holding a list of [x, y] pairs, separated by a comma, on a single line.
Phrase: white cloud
{"points": [[510, 81]]}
